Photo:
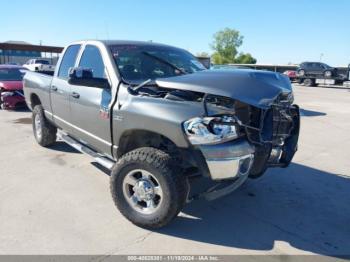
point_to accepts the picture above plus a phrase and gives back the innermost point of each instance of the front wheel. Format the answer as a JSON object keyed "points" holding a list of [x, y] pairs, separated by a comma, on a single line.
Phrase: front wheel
{"points": [[148, 188], [44, 131], [301, 72]]}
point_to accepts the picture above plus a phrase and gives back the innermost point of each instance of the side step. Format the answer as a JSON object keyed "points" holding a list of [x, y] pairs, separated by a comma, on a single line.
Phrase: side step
{"points": [[102, 160]]}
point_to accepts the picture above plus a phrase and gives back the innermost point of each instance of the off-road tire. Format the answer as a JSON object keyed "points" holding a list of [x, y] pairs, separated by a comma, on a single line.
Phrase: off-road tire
{"points": [[161, 165], [48, 133]]}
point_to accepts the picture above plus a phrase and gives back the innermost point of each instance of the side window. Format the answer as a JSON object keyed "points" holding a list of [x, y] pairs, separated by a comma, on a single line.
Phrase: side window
{"points": [[92, 59], [68, 61], [317, 66]]}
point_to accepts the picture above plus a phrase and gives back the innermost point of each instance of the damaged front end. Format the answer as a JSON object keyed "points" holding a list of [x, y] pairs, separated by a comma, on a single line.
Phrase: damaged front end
{"points": [[273, 131], [276, 138], [12, 99], [249, 107], [239, 139], [249, 141]]}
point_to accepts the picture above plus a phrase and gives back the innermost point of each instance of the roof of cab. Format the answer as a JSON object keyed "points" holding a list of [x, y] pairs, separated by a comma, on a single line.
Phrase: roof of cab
{"points": [[128, 42], [124, 42]]}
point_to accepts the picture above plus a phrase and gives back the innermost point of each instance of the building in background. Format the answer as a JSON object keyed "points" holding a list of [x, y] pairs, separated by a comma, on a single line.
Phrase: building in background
{"points": [[19, 52]]}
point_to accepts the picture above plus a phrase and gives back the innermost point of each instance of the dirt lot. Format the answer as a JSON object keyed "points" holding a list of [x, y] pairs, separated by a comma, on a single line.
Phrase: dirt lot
{"points": [[56, 201]]}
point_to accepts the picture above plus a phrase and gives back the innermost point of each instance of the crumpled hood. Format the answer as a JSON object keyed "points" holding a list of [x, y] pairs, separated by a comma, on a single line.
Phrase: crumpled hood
{"points": [[257, 88], [11, 85]]}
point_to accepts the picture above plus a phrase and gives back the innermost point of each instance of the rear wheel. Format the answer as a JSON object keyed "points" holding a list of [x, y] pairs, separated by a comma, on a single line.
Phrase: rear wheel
{"points": [[44, 131], [328, 73], [148, 188], [309, 82]]}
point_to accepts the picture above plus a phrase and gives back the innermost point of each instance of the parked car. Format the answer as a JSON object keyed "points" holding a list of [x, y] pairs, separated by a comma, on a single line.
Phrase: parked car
{"points": [[316, 69], [11, 86], [39, 65], [291, 74], [162, 123]]}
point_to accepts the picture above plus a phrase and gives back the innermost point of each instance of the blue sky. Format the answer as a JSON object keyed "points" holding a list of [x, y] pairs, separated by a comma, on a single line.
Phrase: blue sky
{"points": [[275, 31]]}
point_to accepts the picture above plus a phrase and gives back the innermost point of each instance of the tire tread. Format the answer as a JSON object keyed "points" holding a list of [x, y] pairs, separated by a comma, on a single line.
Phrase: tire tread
{"points": [[49, 132], [167, 167]]}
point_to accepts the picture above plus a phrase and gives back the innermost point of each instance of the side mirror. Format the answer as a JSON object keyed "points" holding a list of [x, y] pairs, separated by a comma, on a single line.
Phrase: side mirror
{"points": [[84, 77]]}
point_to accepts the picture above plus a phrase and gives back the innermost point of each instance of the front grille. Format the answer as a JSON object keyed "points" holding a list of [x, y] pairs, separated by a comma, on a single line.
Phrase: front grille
{"points": [[270, 129], [271, 125], [282, 122]]}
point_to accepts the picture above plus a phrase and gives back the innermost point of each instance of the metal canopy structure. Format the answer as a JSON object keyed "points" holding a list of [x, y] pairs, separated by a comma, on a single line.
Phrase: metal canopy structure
{"points": [[27, 47], [12, 51]]}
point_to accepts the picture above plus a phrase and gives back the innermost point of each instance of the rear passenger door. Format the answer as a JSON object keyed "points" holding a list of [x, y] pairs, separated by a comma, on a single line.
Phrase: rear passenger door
{"points": [[90, 105], [316, 68], [60, 89]]}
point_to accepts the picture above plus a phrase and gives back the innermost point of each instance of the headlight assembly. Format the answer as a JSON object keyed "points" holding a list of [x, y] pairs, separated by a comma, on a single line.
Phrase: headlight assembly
{"points": [[5, 94], [210, 130]]}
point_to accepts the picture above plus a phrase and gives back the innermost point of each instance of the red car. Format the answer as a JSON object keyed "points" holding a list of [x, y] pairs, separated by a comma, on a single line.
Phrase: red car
{"points": [[291, 74], [11, 86]]}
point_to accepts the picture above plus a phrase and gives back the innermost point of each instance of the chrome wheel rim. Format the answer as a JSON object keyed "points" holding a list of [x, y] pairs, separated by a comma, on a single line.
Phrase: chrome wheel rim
{"points": [[38, 128], [142, 191]]}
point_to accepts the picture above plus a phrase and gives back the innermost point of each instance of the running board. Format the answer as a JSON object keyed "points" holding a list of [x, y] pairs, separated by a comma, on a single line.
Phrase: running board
{"points": [[102, 160]]}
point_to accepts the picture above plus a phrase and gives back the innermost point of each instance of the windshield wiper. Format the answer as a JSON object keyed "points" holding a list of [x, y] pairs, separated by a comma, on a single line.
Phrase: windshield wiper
{"points": [[166, 62], [136, 88]]}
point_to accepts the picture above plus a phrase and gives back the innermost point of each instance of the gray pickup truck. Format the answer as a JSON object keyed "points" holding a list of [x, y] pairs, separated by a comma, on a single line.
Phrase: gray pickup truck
{"points": [[169, 130]]}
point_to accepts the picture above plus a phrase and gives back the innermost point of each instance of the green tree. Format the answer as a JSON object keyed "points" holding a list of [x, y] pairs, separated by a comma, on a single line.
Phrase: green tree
{"points": [[225, 45], [245, 59]]}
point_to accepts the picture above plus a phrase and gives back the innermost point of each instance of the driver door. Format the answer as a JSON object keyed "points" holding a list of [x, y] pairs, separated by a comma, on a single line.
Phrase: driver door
{"points": [[90, 105]]}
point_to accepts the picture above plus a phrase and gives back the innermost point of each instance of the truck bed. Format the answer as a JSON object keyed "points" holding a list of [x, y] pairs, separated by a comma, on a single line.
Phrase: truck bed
{"points": [[38, 84]]}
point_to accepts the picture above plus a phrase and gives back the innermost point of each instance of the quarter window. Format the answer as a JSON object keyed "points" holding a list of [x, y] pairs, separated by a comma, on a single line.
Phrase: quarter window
{"points": [[68, 60], [92, 59]]}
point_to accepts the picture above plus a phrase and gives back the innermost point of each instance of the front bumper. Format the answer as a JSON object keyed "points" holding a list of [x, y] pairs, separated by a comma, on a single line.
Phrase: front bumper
{"points": [[228, 160], [12, 101]]}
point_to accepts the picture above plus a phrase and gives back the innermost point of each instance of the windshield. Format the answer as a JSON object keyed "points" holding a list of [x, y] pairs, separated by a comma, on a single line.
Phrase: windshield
{"points": [[11, 74], [44, 62], [138, 63], [326, 66]]}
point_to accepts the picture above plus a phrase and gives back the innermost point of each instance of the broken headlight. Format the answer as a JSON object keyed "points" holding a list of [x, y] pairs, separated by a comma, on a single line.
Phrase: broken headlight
{"points": [[211, 130]]}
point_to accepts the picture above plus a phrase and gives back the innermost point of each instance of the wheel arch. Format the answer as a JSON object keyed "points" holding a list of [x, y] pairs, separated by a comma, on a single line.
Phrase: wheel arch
{"points": [[34, 100], [136, 138]]}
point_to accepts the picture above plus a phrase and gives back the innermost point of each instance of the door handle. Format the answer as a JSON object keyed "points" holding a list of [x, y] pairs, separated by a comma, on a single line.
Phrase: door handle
{"points": [[75, 95], [54, 88]]}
